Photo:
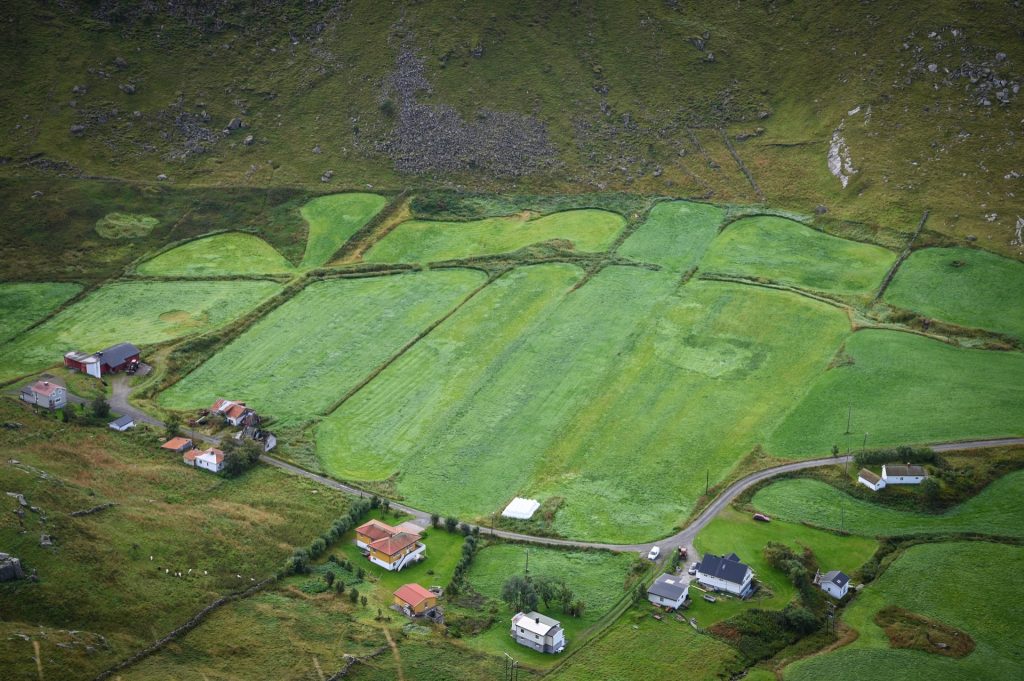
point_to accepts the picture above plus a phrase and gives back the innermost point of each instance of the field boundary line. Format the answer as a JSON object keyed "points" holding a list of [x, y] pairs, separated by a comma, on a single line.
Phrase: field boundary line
{"points": [[365, 238], [746, 281], [891, 274], [742, 166], [408, 346]]}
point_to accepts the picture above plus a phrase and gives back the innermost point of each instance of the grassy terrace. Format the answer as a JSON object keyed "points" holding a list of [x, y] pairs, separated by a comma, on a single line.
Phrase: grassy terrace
{"points": [[675, 234], [993, 511], [430, 241], [788, 252], [965, 587], [21, 305], [143, 312], [332, 220], [218, 255], [905, 389], [348, 327], [964, 286]]}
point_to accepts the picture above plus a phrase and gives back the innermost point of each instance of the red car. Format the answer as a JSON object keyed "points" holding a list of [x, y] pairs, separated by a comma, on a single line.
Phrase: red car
{"points": [[762, 517]]}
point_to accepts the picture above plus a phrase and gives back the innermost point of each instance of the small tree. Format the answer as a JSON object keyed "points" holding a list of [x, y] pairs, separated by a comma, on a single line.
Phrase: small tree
{"points": [[835, 450], [172, 426], [931, 489], [100, 407], [353, 596], [68, 415], [329, 578], [465, 529], [362, 599], [339, 586], [235, 463], [299, 562], [435, 520], [451, 524], [360, 573], [547, 589], [519, 593]]}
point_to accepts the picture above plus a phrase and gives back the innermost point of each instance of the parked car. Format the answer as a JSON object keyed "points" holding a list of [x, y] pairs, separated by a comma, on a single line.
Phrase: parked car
{"points": [[692, 569], [762, 517], [654, 553]]}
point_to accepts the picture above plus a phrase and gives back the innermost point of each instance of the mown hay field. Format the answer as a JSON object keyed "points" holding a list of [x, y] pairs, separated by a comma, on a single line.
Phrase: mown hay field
{"points": [[992, 511], [964, 286], [332, 220], [138, 312], [695, 377], [788, 252], [105, 574], [905, 389], [21, 305], [233, 253], [967, 585], [674, 235], [302, 357], [432, 241]]}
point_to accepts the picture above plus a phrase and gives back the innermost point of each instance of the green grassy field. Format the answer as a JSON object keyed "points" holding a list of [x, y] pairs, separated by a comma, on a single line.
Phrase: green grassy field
{"points": [[139, 312], [674, 235], [349, 327], [906, 389], [545, 418], [23, 304], [993, 511], [638, 646], [966, 587], [788, 252], [333, 219], [736, 532], [983, 291], [430, 241], [218, 255], [99, 577], [598, 578], [125, 225]]}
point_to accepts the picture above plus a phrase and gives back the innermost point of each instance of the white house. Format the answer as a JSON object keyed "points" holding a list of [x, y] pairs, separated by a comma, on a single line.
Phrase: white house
{"points": [[235, 413], [870, 480], [834, 583], [212, 459], [534, 630], [45, 394], [122, 423], [668, 591], [897, 474], [725, 573]]}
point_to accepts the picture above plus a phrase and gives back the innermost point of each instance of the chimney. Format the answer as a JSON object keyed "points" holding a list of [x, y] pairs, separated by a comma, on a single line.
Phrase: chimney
{"points": [[538, 620]]}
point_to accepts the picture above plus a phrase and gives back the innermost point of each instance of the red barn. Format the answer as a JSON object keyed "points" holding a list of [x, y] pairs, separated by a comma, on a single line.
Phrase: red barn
{"points": [[115, 358]]}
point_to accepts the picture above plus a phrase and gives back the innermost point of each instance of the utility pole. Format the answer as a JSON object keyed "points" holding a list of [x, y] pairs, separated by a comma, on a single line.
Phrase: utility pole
{"points": [[865, 441], [707, 482], [849, 418], [842, 516], [511, 669], [527, 563]]}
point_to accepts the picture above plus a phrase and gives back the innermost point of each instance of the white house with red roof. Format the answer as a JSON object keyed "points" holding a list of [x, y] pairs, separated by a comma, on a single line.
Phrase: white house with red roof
{"points": [[45, 394], [235, 413], [211, 459]]}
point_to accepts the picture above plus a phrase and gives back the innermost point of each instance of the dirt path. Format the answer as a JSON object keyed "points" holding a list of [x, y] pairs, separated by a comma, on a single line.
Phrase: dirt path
{"points": [[394, 651]]}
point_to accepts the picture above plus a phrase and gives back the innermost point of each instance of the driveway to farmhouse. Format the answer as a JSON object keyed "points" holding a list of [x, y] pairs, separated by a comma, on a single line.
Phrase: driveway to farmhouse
{"points": [[683, 538]]}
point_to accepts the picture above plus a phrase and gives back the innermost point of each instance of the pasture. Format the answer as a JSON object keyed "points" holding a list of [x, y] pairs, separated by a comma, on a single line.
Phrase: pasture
{"points": [[332, 220], [639, 645], [674, 235], [905, 389], [233, 253], [544, 413], [140, 312], [432, 241], [348, 328], [964, 286], [21, 305], [736, 532], [965, 586], [787, 252], [125, 225], [993, 511], [99, 577]]}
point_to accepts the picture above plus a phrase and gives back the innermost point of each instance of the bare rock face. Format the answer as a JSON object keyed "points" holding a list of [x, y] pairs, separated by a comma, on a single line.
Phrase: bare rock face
{"points": [[249, 139], [10, 568]]}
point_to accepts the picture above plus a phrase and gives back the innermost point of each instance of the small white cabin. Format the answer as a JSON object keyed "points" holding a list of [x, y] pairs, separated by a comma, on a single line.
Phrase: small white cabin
{"points": [[897, 474], [668, 591]]}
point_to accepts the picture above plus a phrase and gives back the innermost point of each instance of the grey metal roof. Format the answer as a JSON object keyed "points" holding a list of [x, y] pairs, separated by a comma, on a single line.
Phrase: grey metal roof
{"points": [[728, 567], [668, 586], [838, 578], [899, 469], [535, 622], [115, 355], [122, 421]]}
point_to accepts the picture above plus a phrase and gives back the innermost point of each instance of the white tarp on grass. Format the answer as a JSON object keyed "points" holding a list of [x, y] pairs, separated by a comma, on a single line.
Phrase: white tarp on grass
{"points": [[521, 508]]}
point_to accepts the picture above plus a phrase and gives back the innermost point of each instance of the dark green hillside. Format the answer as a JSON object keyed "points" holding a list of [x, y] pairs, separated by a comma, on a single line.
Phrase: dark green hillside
{"points": [[735, 101]]}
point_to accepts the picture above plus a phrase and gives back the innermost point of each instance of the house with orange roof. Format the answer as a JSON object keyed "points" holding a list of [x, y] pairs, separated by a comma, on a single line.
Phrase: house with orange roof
{"points": [[397, 551], [178, 444], [235, 413], [211, 459], [414, 600], [371, 531]]}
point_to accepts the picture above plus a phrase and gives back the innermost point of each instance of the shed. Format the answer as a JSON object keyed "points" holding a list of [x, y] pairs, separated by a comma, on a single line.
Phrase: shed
{"points": [[835, 583], [177, 444], [414, 600], [870, 480], [122, 423], [669, 591]]}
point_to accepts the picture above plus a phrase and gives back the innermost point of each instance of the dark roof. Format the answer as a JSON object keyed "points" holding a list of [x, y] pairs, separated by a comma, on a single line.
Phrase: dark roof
{"points": [[901, 470], [668, 586], [122, 421], [869, 476], [728, 567], [116, 355], [838, 578]]}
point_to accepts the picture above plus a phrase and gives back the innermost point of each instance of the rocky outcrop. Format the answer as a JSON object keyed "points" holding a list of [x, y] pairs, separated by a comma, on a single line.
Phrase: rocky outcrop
{"points": [[10, 568]]}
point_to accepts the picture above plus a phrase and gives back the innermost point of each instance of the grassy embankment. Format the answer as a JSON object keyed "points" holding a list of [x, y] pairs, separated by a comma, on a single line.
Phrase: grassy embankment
{"points": [[21, 305], [218, 255], [333, 219]]}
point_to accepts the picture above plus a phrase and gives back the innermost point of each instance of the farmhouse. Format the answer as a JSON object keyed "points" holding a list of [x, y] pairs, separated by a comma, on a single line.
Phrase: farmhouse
{"points": [[111, 360], [371, 531], [122, 423], [725, 573], [235, 413], [870, 480], [397, 551], [669, 591], [534, 630], [895, 474], [414, 600], [834, 583], [211, 459], [45, 394], [178, 444]]}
